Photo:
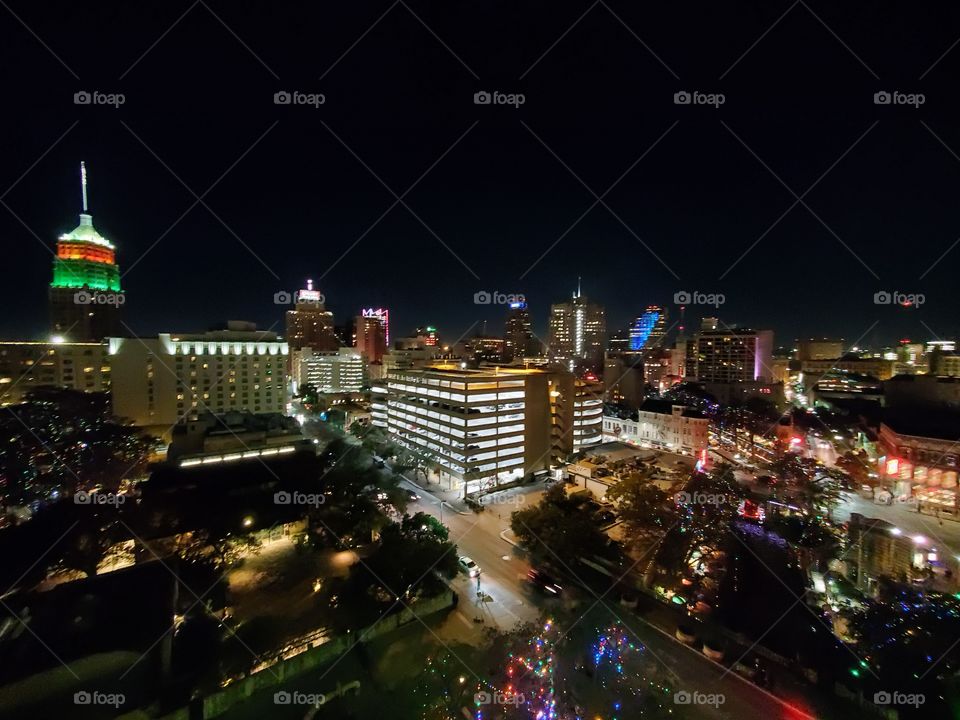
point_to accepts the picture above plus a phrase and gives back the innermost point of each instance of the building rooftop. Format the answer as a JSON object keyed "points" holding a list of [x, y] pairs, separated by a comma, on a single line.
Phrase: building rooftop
{"points": [[86, 232], [937, 424]]}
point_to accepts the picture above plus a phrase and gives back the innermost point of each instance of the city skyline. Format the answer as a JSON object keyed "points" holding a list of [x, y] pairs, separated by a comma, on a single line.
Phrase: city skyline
{"points": [[453, 360]]}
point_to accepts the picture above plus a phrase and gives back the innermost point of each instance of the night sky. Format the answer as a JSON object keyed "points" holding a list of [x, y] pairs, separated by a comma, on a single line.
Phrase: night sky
{"points": [[496, 187]]}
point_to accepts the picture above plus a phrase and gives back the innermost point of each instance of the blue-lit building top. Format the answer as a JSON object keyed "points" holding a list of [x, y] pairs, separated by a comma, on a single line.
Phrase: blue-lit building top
{"points": [[642, 328]]}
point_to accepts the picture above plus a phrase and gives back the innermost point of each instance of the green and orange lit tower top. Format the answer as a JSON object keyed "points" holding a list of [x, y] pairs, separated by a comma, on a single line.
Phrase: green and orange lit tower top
{"points": [[85, 294], [85, 258]]}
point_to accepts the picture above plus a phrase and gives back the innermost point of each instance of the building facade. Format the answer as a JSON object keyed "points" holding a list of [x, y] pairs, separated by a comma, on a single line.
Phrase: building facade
{"points": [[371, 333], [920, 459], [819, 349], [578, 334], [342, 371], [484, 427], [309, 324], [661, 425], [159, 382], [27, 366], [519, 340], [725, 355], [649, 330]]}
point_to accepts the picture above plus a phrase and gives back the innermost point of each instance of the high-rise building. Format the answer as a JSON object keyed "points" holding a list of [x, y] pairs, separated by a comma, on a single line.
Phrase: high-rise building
{"points": [[725, 355], [519, 340], [483, 427], [649, 330], [85, 296], [578, 332], [371, 333], [310, 324], [174, 377]]}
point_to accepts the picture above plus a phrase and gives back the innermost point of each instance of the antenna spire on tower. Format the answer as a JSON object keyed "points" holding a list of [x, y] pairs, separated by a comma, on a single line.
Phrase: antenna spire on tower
{"points": [[578, 286], [83, 184]]}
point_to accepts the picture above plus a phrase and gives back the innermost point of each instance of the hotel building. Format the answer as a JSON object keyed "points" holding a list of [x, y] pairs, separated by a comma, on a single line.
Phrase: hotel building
{"points": [[484, 427], [174, 377], [717, 355]]}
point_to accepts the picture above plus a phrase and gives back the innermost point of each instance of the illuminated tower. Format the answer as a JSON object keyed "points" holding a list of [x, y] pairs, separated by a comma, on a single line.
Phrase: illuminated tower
{"points": [[578, 332], [310, 324], [648, 330], [85, 295]]}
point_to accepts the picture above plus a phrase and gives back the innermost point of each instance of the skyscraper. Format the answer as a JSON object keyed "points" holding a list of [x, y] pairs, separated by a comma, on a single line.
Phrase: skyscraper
{"points": [[370, 333], [519, 340], [85, 295], [648, 330], [578, 332], [310, 324]]}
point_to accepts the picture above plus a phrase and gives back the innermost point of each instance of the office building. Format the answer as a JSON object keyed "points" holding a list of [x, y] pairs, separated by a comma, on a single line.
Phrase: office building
{"points": [[85, 295], [309, 324], [519, 340], [27, 366], [649, 330], [159, 381], [578, 333], [484, 427], [371, 333], [329, 372], [624, 380]]}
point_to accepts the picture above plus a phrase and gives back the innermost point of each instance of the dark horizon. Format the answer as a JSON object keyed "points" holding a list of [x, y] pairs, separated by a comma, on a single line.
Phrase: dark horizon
{"points": [[299, 191]]}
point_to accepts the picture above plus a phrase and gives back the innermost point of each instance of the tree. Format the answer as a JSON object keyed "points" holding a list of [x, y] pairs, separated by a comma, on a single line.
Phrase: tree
{"points": [[559, 528], [707, 506], [412, 555], [641, 505]]}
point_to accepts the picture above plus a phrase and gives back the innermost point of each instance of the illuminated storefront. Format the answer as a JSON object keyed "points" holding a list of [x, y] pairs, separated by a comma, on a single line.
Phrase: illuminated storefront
{"points": [[920, 467]]}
